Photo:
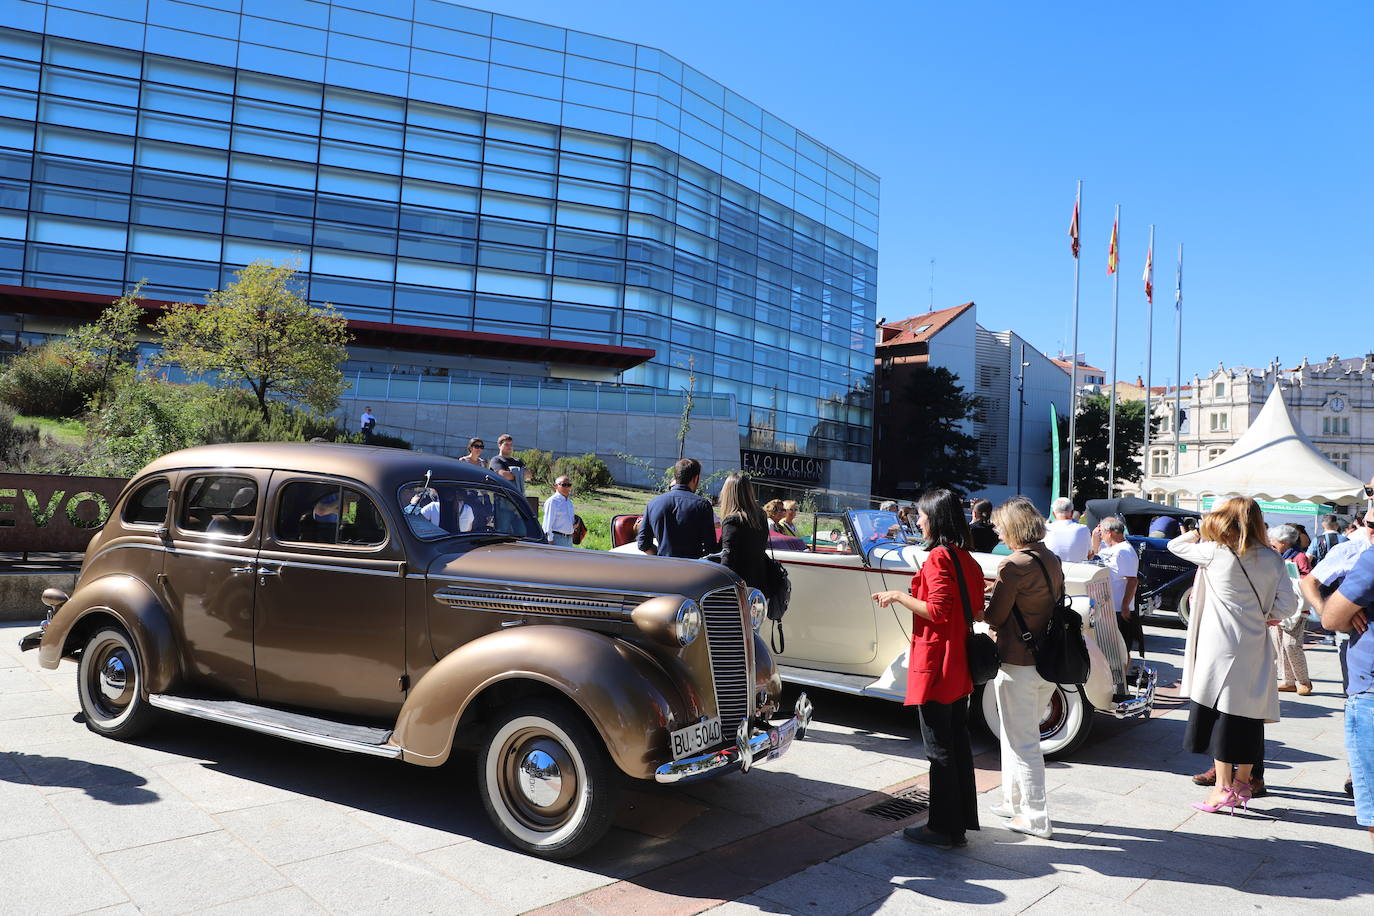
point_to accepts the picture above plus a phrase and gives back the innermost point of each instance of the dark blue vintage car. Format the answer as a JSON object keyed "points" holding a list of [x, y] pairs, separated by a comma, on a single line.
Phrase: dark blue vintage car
{"points": [[1166, 582]]}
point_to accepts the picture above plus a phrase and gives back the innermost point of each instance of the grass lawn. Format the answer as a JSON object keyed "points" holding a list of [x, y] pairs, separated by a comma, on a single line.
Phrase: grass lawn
{"points": [[68, 432], [597, 510]]}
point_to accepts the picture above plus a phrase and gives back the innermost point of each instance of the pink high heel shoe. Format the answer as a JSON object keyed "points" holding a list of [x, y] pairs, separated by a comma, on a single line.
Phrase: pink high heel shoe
{"points": [[1232, 798], [1243, 794]]}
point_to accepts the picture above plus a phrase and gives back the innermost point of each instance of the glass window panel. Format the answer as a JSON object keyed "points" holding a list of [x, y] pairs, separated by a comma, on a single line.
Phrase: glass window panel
{"points": [[96, 87], [80, 202], [353, 264], [566, 317], [437, 194], [84, 143], [517, 182], [523, 132], [192, 245], [586, 192], [525, 58], [586, 167], [13, 224], [14, 195], [586, 267], [354, 210], [23, 45], [534, 33], [587, 292], [66, 230], [648, 202], [159, 40], [81, 174], [177, 215], [511, 258], [432, 221], [431, 305], [100, 58], [90, 115], [607, 49], [449, 171], [356, 156], [449, 66], [515, 206], [359, 184], [445, 118], [430, 33], [517, 105], [584, 217], [598, 96], [343, 127], [333, 235], [362, 56], [593, 243], [607, 147], [264, 226], [171, 272], [597, 119], [176, 99], [276, 34], [353, 292], [275, 144], [178, 72], [442, 143], [510, 233], [372, 25], [181, 129], [264, 170], [438, 248], [23, 77], [457, 17], [434, 273], [64, 263], [529, 82], [649, 252], [499, 308], [600, 71], [521, 157], [274, 200]]}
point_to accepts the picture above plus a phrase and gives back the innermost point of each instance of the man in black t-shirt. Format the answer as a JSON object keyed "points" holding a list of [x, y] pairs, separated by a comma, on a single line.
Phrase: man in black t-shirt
{"points": [[506, 464]]}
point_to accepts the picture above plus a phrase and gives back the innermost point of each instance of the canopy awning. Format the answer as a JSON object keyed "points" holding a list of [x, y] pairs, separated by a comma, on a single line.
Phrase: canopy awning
{"points": [[1273, 460]]}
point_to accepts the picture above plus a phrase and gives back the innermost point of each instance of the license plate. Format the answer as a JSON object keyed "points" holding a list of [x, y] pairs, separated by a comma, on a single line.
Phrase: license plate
{"points": [[782, 738], [695, 738]]}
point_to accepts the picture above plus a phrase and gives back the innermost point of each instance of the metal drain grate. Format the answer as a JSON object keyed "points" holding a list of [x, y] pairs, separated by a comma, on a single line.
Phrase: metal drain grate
{"points": [[901, 806]]}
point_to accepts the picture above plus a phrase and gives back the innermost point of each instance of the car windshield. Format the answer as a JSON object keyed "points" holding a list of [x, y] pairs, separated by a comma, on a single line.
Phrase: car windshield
{"points": [[446, 509], [878, 528]]}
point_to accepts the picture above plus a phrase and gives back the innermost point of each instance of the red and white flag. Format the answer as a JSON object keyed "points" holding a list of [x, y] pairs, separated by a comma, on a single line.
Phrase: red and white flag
{"points": [[1111, 252], [1073, 230], [1149, 276]]}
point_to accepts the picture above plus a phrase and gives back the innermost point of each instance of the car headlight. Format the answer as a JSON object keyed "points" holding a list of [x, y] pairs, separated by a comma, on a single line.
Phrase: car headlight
{"points": [[687, 622], [758, 607]]}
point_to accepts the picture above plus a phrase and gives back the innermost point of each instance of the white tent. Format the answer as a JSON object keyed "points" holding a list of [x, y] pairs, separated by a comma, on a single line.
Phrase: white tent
{"points": [[1273, 460]]}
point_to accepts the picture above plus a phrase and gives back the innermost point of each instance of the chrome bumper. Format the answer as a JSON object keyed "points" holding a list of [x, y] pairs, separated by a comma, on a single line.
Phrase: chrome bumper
{"points": [[752, 745], [1143, 702]]}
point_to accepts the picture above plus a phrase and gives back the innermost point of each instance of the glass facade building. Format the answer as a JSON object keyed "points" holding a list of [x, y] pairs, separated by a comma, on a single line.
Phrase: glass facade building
{"points": [[436, 166]]}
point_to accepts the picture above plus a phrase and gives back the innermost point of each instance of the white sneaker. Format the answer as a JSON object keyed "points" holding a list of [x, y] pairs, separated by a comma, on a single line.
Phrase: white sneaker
{"points": [[1017, 825], [1003, 810]]}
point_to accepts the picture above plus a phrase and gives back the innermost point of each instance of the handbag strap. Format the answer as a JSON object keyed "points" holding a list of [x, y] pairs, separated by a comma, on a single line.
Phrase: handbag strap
{"points": [[1258, 599], [963, 587], [1026, 636]]}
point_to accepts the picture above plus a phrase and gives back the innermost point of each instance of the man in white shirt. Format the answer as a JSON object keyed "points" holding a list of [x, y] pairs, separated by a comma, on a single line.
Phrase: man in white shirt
{"points": [[558, 513], [1066, 539], [1109, 545]]}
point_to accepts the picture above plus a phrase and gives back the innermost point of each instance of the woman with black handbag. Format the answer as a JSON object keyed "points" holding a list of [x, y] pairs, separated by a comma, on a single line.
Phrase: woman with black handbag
{"points": [[938, 678], [1029, 583]]}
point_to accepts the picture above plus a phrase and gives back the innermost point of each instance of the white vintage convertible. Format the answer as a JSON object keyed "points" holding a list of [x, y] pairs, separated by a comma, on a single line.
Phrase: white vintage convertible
{"points": [[837, 638]]}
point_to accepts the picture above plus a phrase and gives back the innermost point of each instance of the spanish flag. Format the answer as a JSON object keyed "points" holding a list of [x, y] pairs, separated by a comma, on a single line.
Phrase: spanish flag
{"points": [[1111, 252], [1073, 230]]}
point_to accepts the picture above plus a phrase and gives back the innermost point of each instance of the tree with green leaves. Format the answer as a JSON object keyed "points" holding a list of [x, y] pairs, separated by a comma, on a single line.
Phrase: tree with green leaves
{"points": [[936, 450], [107, 344], [259, 332], [1090, 470]]}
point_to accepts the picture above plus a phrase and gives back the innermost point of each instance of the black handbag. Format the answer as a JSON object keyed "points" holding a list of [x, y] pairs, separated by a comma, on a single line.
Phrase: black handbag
{"points": [[1061, 653], [779, 595], [983, 662]]}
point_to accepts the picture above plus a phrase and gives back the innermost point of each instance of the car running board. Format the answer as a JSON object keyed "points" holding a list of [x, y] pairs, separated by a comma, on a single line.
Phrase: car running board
{"points": [[294, 726], [855, 684]]}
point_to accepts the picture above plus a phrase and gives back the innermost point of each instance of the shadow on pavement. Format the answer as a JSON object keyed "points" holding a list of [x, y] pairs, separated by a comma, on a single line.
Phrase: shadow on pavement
{"points": [[100, 781]]}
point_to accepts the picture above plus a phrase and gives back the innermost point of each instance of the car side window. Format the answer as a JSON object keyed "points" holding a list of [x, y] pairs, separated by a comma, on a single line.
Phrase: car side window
{"points": [[148, 504], [219, 504], [328, 513]]}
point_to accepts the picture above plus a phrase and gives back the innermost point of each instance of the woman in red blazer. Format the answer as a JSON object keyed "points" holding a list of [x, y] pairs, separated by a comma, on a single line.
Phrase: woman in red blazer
{"points": [[938, 682]]}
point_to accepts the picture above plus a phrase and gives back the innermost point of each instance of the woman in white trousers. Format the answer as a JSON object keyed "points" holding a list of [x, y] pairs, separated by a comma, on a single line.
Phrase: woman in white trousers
{"points": [[1028, 584]]}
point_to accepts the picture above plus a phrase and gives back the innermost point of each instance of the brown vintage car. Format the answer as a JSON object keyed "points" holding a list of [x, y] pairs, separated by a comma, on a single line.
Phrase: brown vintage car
{"points": [[395, 603]]}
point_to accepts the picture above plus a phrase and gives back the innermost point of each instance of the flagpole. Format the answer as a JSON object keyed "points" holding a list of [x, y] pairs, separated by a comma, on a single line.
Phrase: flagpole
{"points": [[1178, 358], [1111, 407], [1073, 358], [1149, 350]]}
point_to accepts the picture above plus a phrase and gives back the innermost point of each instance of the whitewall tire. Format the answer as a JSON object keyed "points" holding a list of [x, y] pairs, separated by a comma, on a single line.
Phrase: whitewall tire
{"points": [[109, 684], [1065, 725]]}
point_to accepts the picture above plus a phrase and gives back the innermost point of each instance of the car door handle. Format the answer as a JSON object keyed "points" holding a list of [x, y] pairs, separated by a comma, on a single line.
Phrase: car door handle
{"points": [[269, 570], [237, 570]]}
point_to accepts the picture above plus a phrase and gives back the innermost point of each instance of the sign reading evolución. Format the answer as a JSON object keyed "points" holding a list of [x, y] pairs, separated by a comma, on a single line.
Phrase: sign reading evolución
{"points": [[52, 511], [779, 466]]}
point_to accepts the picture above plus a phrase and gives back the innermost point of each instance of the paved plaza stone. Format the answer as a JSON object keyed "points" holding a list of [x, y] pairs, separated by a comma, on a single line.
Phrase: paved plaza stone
{"points": [[201, 818]]}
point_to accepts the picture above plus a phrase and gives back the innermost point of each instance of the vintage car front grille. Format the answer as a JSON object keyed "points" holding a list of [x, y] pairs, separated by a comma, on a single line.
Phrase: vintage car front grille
{"points": [[1106, 632], [591, 604], [725, 637]]}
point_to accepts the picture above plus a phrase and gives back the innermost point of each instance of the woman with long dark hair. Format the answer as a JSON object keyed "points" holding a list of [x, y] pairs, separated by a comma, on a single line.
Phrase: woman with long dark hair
{"points": [[938, 681], [743, 531], [1228, 660]]}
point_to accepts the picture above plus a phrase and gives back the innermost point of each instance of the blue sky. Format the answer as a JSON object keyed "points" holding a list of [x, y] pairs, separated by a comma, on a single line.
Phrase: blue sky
{"points": [[1244, 130]]}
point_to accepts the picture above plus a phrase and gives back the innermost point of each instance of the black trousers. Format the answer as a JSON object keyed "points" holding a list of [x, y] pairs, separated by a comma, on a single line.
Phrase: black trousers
{"points": [[953, 794]]}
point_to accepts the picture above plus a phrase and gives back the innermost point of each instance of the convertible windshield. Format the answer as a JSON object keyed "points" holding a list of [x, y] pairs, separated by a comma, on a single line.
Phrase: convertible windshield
{"points": [[877, 528], [447, 509]]}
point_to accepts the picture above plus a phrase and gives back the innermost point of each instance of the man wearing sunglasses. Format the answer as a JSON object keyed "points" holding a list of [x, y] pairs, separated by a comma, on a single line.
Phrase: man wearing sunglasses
{"points": [[1347, 609]]}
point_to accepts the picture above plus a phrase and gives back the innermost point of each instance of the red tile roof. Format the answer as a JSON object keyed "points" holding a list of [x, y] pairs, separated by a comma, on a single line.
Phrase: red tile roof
{"points": [[1082, 367], [920, 328]]}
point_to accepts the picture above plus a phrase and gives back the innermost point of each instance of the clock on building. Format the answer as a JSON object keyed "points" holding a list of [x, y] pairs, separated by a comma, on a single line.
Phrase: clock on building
{"points": [[1337, 404]]}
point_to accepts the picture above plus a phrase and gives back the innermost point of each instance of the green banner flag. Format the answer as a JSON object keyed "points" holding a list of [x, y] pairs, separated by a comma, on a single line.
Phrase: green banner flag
{"points": [[1054, 447]]}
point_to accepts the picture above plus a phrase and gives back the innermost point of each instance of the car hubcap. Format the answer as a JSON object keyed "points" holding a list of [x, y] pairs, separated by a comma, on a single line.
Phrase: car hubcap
{"points": [[1055, 715], [539, 782], [113, 678]]}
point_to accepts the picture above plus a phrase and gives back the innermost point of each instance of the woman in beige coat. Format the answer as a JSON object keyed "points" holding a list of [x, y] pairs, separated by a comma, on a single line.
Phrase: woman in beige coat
{"points": [[1229, 661]]}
